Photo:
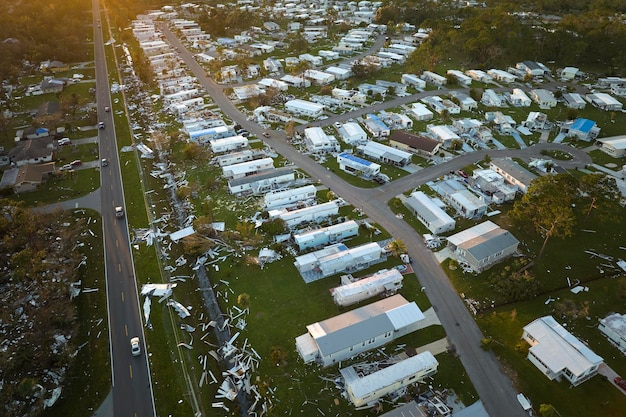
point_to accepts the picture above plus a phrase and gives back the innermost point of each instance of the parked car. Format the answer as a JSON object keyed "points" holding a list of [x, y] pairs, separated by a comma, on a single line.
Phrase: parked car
{"points": [[337, 125], [66, 167], [104, 162], [100, 125], [620, 382], [76, 163], [135, 349], [64, 141], [266, 134], [462, 173]]}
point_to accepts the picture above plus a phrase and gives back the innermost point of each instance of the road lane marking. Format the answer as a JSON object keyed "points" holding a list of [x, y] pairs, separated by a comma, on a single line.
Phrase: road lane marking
{"points": [[122, 296], [117, 243], [119, 267], [126, 329], [130, 368]]}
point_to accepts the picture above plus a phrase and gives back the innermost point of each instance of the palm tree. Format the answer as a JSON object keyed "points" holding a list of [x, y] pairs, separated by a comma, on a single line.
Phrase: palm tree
{"points": [[396, 247]]}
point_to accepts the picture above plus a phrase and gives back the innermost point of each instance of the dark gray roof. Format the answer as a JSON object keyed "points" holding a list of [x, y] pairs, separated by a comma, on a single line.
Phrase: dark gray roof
{"points": [[494, 241]]}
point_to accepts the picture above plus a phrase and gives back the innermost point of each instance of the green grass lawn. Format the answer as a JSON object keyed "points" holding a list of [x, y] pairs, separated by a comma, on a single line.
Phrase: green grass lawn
{"points": [[64, 186], [66, 154]]}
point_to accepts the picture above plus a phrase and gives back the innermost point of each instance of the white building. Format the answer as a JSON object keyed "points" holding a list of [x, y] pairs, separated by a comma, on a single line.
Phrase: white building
{"points": [[414, 81], [434, 78], [339, 73], [365, 389], [558, 354], [459, 197], [519, 98], [614, 145], [544, 98], [217, 132], [304, 107], [229, 144], [443, 134], [375, 126], [613, 327], [317, 140], [296, 81], [460, 77], [574, 101], [234, 158], [352, 133], [385, 154], [483, 245], [244, 169], [493, 186], [285, 198], [262, 183], [420, 112], [491, 98], [479, 75], [348, 334], [311, 214], [502, 76], [326, 235], [429, 213], [513, 173], [319, 77], [357, 166], [338, 258], [604, 101], [356, 290]]}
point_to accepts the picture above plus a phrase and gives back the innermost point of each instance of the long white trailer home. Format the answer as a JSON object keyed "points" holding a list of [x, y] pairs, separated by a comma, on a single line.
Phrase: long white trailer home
{"points": [[362, 289], [284, 198]]}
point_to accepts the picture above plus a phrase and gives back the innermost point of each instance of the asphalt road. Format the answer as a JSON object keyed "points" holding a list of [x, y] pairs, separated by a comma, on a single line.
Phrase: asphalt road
{"points": [[132, 389], [493, 386]]}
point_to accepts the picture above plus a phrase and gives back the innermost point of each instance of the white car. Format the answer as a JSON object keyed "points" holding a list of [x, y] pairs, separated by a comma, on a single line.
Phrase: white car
{"points": [[66, 167], [135, 349], [64, 141]]}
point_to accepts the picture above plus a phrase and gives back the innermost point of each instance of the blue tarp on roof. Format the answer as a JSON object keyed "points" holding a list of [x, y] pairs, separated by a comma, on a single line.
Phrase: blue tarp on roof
{"points": [[583, 125], [355, 159], [41, 130]]}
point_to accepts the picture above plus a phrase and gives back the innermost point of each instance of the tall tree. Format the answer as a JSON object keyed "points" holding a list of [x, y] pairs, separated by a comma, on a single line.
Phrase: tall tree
{"points": [[396, 247], [548, 206], [600, 193]]}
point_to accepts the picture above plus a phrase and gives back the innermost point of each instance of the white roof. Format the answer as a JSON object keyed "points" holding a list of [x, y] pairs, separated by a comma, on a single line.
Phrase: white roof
{"points": [[385, 377], [443, 132], [378, 149], [558, 349], [617, 142], [353, 129], [430, 211], [368, 284], [473, 232], [316, 135], [303, 104]]}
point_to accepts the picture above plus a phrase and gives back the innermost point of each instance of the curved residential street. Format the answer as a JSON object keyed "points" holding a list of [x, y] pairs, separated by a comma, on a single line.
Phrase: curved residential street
{"points": [[493, 386]]}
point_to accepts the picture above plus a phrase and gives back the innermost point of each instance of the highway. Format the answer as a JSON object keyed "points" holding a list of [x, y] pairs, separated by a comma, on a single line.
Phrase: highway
{"points": [[132, 388], [493, 386]]}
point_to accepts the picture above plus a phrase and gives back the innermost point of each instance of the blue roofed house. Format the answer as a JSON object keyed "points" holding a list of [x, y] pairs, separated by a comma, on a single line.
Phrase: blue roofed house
{"points": [[360, 330], [357, 166], [581, 129]]}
